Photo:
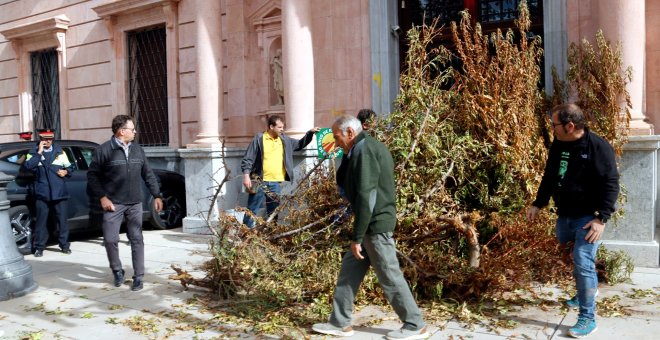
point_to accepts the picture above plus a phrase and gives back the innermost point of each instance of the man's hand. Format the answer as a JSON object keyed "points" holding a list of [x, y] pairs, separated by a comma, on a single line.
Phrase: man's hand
{"points": [[106, 204], [62, 172], [356, 248], [158, 204], [532, 213], [247, 182], [40, 150], [315, 129], [596, 229]]}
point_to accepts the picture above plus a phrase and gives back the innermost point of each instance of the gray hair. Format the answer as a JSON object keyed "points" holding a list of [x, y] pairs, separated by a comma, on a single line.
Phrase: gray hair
{"points": [[345, 121]]}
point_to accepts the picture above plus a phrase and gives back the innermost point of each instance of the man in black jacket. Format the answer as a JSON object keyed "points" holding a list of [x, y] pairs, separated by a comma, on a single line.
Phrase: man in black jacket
{"points": [[51, 167], [270, 158], [114, 179], [581, 176]]}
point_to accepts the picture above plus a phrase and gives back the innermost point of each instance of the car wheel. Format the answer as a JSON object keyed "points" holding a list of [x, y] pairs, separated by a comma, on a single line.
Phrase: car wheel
{"points": [[21, 225], [174, 210]]}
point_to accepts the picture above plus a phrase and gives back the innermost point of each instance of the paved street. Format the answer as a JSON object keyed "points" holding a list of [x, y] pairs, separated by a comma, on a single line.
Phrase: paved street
{"points": [[76, 300]]}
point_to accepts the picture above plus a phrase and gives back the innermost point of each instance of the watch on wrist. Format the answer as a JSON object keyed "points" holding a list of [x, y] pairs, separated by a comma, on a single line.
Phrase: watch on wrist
{"points": [[599, 216]]}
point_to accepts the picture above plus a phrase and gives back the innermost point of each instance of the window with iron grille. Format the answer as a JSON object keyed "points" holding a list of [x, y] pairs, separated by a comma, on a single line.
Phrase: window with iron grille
{"points": [[148, 86], [446, 10], [502, 10], [45, 91]]}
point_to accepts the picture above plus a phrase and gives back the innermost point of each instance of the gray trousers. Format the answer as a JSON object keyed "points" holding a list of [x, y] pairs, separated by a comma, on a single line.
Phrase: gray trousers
{"points": [[112, 223], [381, 254]]}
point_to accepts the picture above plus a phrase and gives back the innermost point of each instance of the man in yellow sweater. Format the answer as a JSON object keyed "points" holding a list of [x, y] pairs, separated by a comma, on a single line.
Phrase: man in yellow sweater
{"points": [[270, 158]]}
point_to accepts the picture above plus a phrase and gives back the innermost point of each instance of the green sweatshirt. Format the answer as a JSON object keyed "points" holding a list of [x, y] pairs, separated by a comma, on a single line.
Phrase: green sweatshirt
{"points": [[369, 185]]}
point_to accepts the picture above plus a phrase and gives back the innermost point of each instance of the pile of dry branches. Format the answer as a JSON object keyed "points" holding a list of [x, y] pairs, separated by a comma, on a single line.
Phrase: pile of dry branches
{"points": [[469, 143]]}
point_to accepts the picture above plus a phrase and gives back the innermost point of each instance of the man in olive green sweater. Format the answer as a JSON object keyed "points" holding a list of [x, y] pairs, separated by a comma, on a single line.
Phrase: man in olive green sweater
{"points": [[369, 185]]}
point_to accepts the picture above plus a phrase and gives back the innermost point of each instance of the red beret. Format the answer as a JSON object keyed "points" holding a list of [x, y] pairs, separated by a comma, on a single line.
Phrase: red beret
{"points": [[27, 135]]}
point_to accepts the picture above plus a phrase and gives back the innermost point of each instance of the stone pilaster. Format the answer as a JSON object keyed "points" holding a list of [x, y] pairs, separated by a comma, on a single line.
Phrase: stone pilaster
{"points": [[384, 33], [555, 40]]}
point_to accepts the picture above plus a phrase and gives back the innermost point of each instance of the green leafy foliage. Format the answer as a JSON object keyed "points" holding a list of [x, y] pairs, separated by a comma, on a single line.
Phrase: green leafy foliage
{"points": [[597, 77], [614, 266]]}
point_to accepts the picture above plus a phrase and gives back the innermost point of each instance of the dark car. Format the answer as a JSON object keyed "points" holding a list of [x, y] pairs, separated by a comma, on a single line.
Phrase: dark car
{"points": [[83, 214]]}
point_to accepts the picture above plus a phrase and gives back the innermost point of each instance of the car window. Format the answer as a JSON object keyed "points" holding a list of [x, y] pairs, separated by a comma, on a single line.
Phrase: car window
{"points": [[71, 157], [14, 156], [87, 154]]}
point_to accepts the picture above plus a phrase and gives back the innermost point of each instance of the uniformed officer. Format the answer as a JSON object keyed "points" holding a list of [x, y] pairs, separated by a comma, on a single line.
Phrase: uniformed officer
{"points": [[51, 167]]}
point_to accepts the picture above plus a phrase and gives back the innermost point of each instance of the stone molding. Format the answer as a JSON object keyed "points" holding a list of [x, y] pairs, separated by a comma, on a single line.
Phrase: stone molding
{"points": [[267, 22]]}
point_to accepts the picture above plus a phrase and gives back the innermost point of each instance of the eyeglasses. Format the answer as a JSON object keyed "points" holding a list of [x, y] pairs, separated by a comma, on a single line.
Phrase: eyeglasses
{"points": [[556, 124], [130, 129]]}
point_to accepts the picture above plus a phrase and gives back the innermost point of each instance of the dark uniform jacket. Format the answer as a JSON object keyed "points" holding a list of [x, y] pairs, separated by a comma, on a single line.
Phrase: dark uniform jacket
{"points": [[118, 178], [369, 186], [252, 162], [590, 184], [48, 186]]}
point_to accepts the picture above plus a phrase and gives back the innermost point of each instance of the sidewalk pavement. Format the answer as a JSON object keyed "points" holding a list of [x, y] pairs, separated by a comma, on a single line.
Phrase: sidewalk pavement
{"points": [[76, 300]]}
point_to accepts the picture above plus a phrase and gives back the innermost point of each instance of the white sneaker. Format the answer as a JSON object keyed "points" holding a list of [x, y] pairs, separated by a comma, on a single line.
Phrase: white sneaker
{"points": [[330, 329], [406, 334]]}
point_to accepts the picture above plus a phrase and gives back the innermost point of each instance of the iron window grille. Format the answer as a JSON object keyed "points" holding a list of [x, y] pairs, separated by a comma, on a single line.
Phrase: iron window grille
{"points": [[503, 10], [45, 91], [148, 85]]}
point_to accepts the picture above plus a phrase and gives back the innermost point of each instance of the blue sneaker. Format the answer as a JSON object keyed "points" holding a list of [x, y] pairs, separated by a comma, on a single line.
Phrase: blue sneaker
{"points": [[573, 303], [582, 328]]}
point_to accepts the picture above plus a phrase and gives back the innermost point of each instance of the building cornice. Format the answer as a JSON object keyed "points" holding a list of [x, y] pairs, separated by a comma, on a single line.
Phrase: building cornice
{"points": [[122, 7], [49, 26]]}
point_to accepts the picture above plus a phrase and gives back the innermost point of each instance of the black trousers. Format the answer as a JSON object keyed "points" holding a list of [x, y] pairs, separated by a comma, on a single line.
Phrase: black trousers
{"points": [[42, 208]]}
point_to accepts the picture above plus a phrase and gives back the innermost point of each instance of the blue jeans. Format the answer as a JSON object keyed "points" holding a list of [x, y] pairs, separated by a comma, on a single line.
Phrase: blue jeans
{"points": [[569, 229], [256, 200]]}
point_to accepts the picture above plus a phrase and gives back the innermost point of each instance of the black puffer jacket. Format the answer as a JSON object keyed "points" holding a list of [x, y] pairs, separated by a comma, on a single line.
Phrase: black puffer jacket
{"points": [[590, 185], [112, 175]]}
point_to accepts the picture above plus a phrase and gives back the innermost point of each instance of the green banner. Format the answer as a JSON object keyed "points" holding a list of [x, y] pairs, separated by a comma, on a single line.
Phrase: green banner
{"points": [[325, 144]]}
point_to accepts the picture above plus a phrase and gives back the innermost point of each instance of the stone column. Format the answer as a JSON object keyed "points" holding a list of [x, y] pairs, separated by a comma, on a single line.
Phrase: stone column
{"points": [[203, 158], [624, 21], [298, 65], [208, 49]]}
